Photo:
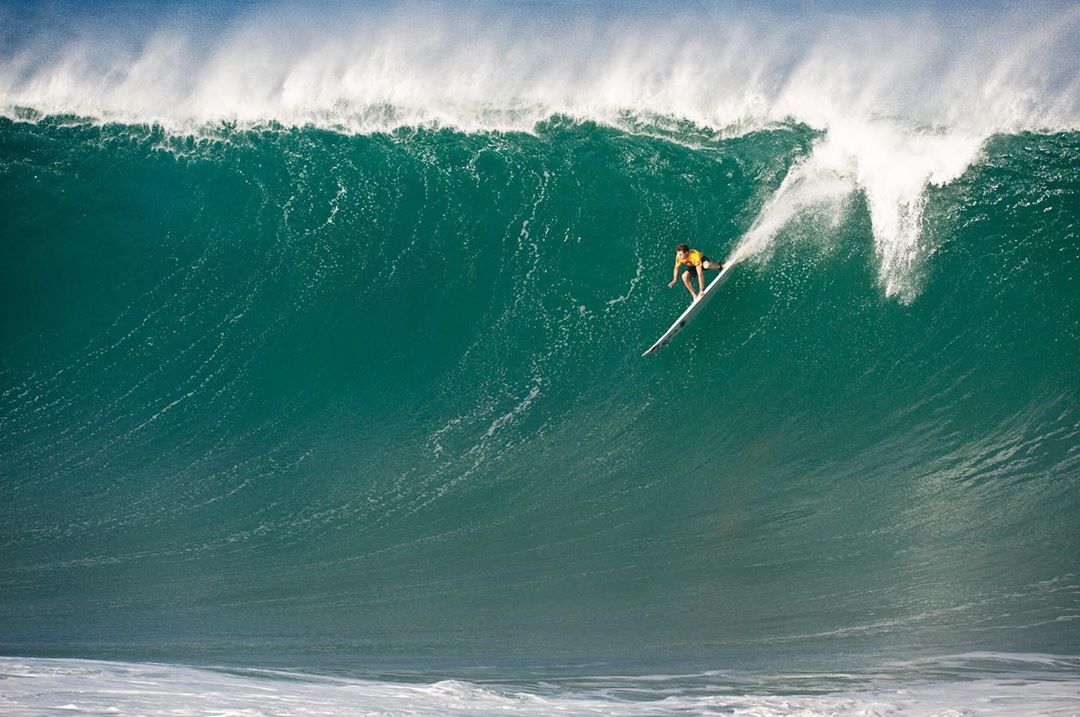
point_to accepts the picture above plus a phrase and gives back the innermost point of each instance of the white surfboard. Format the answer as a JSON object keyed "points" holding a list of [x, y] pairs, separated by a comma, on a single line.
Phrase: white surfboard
{"points": [[692, 310]]}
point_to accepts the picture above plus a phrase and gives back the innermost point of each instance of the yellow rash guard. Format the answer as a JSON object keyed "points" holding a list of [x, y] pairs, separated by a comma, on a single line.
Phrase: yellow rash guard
{"points": [[693, 258]]}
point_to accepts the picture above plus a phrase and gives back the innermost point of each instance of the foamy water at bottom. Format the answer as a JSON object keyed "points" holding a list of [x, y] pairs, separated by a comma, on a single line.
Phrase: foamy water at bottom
{"points": [[977, 684]]}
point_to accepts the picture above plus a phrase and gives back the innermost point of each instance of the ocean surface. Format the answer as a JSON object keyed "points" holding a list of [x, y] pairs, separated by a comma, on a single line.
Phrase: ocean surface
{"points": [[321, 388]]}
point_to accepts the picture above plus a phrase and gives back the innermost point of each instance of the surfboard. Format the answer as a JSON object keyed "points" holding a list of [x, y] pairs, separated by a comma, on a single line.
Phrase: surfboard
{"points": [[693, 309]]}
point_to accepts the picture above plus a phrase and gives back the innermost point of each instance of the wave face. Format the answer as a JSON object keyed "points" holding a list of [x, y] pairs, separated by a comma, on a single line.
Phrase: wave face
{"points": [[289, 391]]}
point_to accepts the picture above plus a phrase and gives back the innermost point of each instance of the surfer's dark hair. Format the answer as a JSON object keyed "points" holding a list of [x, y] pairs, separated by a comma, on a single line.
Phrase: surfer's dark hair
{"points": [[682, 247]]}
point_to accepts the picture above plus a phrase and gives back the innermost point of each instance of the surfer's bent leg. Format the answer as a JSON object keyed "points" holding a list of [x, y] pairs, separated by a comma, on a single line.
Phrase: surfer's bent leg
{"points": [[686, 281]]}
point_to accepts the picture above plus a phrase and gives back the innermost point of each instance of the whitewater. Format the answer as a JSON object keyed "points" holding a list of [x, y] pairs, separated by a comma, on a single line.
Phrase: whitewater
{"points": [[320, 376]]}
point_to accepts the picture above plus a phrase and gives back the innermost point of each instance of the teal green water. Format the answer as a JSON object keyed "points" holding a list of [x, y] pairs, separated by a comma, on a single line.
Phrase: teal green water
{"points": [[292, 392]]}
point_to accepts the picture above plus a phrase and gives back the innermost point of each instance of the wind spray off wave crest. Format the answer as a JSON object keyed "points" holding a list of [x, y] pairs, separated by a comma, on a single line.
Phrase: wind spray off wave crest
{"points": [[490, 67]]}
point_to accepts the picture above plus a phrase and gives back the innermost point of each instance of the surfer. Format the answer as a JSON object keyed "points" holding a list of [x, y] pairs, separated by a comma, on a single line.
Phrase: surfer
{"points": [[695, 262]]}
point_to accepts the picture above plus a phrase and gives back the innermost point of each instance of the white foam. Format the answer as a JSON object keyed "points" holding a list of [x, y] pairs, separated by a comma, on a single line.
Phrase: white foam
{"points": [[57, 687], [492, 66], [892, 165]]}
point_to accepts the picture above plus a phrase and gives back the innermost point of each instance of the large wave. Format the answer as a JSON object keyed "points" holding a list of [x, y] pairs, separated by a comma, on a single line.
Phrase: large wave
{"points": [[323, 334], [388, 388]]}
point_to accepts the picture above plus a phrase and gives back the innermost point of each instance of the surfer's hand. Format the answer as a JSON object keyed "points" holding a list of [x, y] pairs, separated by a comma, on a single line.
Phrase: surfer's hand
{"points": [[671, 283]]}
